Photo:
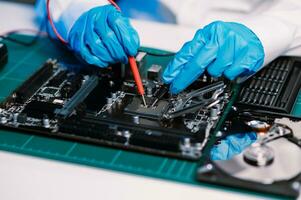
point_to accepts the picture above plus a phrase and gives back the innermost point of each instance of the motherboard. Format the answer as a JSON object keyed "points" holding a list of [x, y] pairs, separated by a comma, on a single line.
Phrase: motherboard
{"points": [[101, 106]]}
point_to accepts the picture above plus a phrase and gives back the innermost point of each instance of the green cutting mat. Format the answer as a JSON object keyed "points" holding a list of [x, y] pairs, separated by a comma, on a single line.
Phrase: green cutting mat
{"points": [[23, 61]]}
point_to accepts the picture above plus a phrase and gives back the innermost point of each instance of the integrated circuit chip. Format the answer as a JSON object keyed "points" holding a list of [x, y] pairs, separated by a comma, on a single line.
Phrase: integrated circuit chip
{"points": [[136, 108]]}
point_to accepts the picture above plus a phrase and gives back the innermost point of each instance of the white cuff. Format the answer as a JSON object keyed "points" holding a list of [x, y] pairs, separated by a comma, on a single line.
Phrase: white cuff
{"points": [[276, 36], [75, 9]]}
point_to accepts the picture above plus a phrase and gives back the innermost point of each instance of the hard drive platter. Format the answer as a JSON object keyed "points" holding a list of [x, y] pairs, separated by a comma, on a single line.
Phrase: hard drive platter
{"points": [[285, 164]]}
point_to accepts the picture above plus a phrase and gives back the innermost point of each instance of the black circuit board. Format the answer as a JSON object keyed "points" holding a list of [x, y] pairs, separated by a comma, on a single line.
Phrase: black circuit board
{"points": [[101, 106]]}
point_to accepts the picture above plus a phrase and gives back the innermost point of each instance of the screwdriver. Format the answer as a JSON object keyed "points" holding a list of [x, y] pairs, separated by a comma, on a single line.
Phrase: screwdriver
{"points": [[137, 78], [134, 67]]}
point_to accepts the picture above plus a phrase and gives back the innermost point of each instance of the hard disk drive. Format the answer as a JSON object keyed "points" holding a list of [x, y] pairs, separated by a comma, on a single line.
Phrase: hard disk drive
{"points": [[273, 163]]}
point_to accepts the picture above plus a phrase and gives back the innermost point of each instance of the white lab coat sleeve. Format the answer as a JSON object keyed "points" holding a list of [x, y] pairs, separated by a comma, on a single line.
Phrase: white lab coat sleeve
{"points": [[278, 26], [65, 12]]}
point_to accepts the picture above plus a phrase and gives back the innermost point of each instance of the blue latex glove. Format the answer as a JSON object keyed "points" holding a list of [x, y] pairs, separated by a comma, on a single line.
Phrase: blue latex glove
{"points": [[103, 36], [221, 48], [232, 145]]}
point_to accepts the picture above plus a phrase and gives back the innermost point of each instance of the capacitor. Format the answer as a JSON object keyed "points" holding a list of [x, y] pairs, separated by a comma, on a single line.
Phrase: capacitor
{"points": [[3, 120], [187, 142], [149, 91], [213, 113], [218, 107], [195, 129], [46, 122], [114, 95], [15, 117], [136, 119], [226, 95], [111, 83], [109, 100], [204, 78], [85, 78], [198, 146], [126, 134]]}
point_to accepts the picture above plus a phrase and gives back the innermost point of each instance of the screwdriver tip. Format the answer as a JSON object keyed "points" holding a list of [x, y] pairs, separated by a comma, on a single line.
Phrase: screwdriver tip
{"points": [[155, 102], [143, 99]]}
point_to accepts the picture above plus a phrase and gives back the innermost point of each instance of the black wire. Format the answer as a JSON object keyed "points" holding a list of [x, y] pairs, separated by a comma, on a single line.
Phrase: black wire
{"points": [[157, 54], [25, 43], [39, 33]]}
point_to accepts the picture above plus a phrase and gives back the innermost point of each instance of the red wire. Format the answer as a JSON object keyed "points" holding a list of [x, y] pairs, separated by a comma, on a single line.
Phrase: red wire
{"points": [[136, 75], [114, 4], [52, 23]]}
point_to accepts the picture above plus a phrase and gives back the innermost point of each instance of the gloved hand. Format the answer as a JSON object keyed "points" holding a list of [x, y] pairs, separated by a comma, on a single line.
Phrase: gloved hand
{"points": [[102, 36], [232, 145], [221, 48]]}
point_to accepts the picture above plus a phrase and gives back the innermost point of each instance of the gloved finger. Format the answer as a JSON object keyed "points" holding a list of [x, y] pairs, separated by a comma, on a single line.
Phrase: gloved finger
{"points": [[242, 65], [224, 58], [77, 44], [194, 68], [108, 36], [126, 34], [187, 52], [232, 145], [96, 46]]}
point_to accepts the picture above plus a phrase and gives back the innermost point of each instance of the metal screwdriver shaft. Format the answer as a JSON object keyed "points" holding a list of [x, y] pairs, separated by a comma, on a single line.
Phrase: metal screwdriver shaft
{"points": [[144, 102]]}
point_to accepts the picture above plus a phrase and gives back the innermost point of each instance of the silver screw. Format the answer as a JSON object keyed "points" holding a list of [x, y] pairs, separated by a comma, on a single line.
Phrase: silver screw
{"points": [[205, 169], [3, 120], [296, 186], [219, 134]]}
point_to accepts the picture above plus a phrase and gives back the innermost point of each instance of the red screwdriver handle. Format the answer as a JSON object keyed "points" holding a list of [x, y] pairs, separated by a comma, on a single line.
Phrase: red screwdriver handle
{"points": [[136, 75]]}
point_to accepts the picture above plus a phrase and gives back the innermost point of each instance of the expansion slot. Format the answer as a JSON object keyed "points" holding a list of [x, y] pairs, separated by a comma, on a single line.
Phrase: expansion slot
{"points": [[78, 97]]}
